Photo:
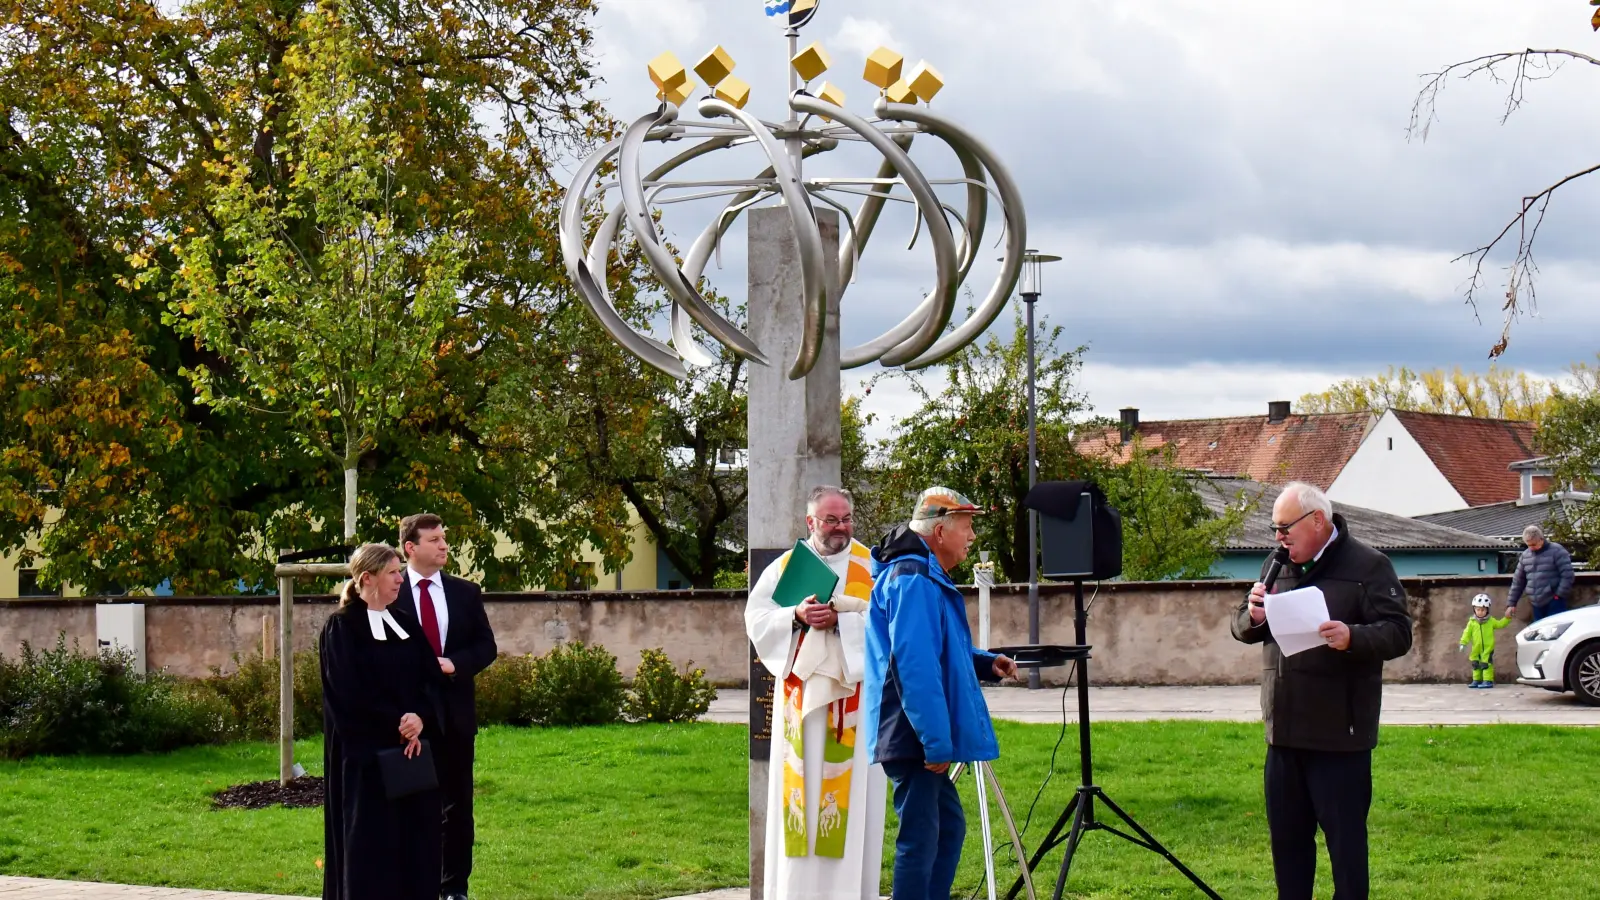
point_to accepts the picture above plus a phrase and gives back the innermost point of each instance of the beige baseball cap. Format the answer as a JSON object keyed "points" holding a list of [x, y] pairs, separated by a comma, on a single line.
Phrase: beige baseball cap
{"points": [[938, 502]]}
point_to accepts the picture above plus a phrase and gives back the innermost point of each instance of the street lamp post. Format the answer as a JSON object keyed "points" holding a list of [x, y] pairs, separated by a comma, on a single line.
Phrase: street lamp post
{"points": [[1032, 263]]}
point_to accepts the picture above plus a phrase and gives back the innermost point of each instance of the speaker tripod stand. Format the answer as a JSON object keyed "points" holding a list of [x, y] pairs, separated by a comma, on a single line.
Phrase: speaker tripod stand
{"points": [[1080, 816]]}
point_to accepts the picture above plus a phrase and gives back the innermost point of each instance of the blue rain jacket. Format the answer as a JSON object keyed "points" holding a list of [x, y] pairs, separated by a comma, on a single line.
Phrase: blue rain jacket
{"points": [[921, 699]]}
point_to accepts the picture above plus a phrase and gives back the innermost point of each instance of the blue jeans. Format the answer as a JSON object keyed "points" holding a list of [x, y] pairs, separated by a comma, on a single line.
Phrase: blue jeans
{"points": [[1556, 605], [932, 828]]}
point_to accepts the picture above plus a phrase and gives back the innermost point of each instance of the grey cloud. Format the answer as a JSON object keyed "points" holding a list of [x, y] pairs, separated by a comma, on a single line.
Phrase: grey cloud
{"points": [[1153, 140]]}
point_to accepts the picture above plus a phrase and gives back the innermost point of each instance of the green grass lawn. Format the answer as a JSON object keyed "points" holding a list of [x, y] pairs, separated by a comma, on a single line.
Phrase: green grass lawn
{"points": [[652, 811]]}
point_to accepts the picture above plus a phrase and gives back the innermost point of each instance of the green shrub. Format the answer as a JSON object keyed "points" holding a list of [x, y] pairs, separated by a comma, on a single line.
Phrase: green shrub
{"points": [[251, 692], [501, 691], [731, 579], [660, 693], [573, 685], [164, 713], [61, 701]]}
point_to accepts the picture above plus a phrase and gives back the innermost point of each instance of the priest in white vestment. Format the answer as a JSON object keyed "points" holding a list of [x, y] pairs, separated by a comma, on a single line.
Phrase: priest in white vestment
{"points": [[825, 798]]}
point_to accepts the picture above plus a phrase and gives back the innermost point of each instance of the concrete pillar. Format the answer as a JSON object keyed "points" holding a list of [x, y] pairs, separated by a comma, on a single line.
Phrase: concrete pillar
{"points": [[794, 445]]}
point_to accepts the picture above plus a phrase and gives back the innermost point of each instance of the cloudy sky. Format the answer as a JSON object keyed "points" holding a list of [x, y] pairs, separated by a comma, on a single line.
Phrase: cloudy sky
{"points": [[1230, 182]]}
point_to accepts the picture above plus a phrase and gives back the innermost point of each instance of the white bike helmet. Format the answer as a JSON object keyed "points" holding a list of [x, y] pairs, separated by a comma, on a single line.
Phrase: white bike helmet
{"points": [[1482, 600]]}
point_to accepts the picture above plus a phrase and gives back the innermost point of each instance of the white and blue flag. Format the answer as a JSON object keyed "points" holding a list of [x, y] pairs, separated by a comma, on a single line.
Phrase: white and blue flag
{"points": [[790, 13]]}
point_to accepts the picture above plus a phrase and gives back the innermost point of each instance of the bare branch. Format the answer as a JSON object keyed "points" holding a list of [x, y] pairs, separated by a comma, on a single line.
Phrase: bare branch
{"points": [[1527, 65], [1524, 66], [1519, 282]]}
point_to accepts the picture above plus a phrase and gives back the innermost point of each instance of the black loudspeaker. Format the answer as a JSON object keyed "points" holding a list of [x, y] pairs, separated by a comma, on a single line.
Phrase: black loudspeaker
{"points": [[1080, 534]]}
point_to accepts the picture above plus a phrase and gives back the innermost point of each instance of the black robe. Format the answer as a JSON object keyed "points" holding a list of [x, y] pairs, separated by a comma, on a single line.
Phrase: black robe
{"points": [[375, 847]]}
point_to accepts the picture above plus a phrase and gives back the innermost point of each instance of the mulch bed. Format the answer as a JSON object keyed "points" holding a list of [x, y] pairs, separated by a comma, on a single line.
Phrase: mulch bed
{"points": [[299, 792]]}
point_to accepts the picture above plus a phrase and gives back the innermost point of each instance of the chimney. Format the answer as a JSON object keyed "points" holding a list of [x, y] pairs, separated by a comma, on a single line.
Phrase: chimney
{"points": [[1277, 411], [1130, 422]]}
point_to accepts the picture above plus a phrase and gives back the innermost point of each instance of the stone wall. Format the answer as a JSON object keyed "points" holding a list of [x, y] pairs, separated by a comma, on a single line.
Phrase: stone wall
{"points": [[1143, 633]]}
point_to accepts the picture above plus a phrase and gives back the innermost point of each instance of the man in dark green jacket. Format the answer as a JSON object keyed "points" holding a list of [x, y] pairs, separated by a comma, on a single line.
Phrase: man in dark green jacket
{"points": [[1321, 706]]}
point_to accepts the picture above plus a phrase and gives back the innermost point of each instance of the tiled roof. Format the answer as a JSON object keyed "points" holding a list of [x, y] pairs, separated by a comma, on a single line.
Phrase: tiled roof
{"points": [[1473, 454], [1310, 448], [1378, 530]]}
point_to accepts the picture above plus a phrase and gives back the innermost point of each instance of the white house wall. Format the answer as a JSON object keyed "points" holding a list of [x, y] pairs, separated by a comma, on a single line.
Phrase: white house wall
{"points": [[1390, 472]]}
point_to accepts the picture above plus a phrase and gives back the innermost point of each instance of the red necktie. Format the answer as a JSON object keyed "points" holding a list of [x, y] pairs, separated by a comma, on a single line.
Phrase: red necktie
{"points": [[430, 619]]}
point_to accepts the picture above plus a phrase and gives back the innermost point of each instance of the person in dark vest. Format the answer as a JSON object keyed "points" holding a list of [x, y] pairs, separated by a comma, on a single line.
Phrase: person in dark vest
{"points": [[379, 690], [453, 620], [1321, 706]]}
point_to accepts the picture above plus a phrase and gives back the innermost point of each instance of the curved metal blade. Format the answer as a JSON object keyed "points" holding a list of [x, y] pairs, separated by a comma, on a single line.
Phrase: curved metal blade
{"points": [[1016, 227], [641, 223], [933, 314], [813, 278]]}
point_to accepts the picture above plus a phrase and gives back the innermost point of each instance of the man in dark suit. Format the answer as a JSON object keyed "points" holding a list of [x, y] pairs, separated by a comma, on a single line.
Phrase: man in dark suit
{"points": [[453, 620]]}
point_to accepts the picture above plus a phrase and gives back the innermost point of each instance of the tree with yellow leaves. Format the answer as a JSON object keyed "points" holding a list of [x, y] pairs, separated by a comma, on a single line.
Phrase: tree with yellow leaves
{"points": [[1496, 394]]}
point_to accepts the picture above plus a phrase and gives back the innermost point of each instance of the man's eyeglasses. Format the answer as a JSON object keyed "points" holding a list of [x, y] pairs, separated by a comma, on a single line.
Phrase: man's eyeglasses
{"points": [[1284, 529], [835, 522]]}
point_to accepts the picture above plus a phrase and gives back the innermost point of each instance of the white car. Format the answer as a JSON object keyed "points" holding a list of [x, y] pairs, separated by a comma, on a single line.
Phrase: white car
{"points": [[1562, 653]]}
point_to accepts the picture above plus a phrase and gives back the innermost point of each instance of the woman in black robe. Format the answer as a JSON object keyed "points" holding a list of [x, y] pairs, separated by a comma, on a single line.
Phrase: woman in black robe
{"points": [[379, 677]]}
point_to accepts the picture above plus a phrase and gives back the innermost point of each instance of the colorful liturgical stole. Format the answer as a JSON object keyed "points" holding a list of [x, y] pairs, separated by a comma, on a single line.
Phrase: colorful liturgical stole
{"points": [[838, 748]]}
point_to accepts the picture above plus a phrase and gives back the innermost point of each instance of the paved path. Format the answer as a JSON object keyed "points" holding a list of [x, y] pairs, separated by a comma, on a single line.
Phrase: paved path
{"points": [[1403, 704], [12, 888]]}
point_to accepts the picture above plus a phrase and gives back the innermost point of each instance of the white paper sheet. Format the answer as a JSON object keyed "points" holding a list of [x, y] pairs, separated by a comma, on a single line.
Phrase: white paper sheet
{"points": [[1295, 617]]}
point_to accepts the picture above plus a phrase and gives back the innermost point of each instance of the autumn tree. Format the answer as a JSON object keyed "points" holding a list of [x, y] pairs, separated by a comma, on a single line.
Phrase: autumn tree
{"points": [[1497, 394], [971, 434], [1167, 529], [1516, 70], [119, 124], [327, 310], [1570, 435]]}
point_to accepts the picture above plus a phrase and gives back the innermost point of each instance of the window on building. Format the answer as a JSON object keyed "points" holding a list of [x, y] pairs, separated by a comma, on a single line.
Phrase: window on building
{"points": [[1391, 443], [28, 585]]}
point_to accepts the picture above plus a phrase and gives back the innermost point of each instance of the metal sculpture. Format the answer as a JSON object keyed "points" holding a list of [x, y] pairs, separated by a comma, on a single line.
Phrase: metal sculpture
{"points": [[920, 339]]}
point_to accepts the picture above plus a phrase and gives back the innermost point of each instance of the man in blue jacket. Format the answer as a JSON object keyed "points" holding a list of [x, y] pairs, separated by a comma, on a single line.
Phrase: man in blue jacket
{"points": [[923, 707]]}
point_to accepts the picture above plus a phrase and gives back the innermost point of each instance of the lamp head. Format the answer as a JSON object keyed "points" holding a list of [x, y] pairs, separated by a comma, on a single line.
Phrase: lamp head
{"points": [[1032, 262]]}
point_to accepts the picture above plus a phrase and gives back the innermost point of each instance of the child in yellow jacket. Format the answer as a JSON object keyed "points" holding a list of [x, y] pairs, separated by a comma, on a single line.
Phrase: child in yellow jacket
{"points": [[1479, 637]]}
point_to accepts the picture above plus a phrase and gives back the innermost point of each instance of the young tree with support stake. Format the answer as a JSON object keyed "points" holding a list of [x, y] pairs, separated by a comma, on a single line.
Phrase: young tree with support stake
{"points": [[328, 307], [119, 124]]}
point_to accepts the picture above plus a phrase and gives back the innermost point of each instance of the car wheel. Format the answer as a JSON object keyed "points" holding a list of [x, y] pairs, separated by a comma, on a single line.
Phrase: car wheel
{"points": [[1583, 674]]}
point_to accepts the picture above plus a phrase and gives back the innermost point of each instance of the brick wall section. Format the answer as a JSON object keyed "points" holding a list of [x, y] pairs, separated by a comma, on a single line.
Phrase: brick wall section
{"points": [[1143, 633]]}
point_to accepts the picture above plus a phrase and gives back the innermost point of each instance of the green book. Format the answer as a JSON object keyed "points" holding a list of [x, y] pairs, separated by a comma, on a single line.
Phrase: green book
{"points": [[804, 576]]}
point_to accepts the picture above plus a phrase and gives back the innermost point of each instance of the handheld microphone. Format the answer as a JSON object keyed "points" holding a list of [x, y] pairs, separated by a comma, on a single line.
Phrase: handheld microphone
{"points": [[1275, 567]]}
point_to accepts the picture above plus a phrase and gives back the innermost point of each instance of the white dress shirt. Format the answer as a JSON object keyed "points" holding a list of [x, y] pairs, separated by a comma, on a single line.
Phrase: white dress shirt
{"points": [[1331, 538], [441, 610]]}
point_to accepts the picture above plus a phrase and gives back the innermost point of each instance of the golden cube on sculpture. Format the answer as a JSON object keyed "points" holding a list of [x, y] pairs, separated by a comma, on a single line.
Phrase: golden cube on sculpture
{"points": [[900, 92], [714, 66], [883, 68], [925, 80], [667, 72], [830, 94], [679, 94], [733, 90], [811, 62]]}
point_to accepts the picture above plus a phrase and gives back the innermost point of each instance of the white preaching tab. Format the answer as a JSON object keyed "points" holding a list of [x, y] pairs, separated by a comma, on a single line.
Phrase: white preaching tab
{"points": [[378, 619], [1295, 617]]}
